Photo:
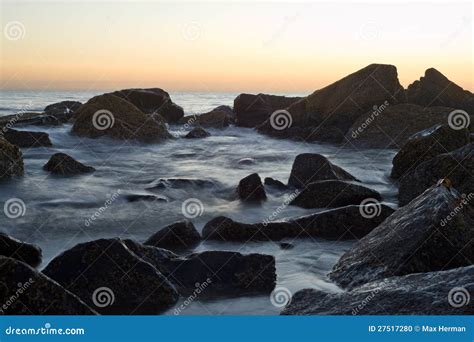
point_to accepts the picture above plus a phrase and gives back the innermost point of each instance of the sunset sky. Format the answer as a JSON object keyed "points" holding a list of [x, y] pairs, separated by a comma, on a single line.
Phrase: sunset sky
{"points": [[222, 46]]}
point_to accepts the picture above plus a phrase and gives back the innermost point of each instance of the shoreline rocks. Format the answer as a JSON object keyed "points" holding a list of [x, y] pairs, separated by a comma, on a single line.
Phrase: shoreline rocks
{"points": [[175, 237], [250, 189], [11, 160], [62, 111], [23, 251], [27, 138], [64, 165], [197, 133]]}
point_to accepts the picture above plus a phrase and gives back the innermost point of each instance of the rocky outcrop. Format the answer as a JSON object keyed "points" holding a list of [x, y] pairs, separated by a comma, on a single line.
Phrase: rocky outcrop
{"points": [[274, 183], [23, 251], [24, 291], [457, 165], [197, 133], [153, 101], [432, 233], [392, 126], [27, 138], [435, 89], [252, 110], [111, 116], [11, 160], [312, 167], [425, 145], [250, 189], [350, 222], [62, 111], [432, 293], [333, 193], [212, 119], [177, 236], [64, 165], [109, 277]]}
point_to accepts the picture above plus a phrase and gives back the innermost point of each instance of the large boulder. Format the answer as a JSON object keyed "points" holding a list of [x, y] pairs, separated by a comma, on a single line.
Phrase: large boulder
{"points": [[176, 236], [252, 110], [333, 193], [11, 160], [223, 273], [112, 116], [432, 233], [432, 293], [312, 167], [64, 165], [23, 251], [153, 101], [435, 89], [27, 138], [350, 222], [24, 291], [427, 144], [250, 189], [62, 111], [457, 165], [109, 277]]}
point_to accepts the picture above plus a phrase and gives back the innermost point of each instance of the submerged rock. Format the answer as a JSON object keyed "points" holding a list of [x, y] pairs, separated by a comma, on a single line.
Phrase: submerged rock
{"points": [[112, 116], [177, 236], [23, 251], [333, 193], [62, 111], [62, 164], [11, 160], [139, 197], [197, 133], [212, 119], [109, 277], [250, 189], [182, 183], [27, 138], [312, 167], [253, 110], [24, 291], [432, 233], [274, 183], [433, 293], [349, 222], [457, 165]]}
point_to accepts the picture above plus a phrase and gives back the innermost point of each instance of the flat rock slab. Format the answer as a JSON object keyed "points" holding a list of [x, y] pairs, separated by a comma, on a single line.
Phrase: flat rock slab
{"points": [[64, 165]]}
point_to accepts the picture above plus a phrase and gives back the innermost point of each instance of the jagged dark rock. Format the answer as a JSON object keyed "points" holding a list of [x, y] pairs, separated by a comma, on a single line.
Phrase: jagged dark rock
{"points": [[250, 189], [197, 133], [11, 160], [23, 251], [27, 138], [62, 164], [62, 111], [274, 183], [177, 236]]}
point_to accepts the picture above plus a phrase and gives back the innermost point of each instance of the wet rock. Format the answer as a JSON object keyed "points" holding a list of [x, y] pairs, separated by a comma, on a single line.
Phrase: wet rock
{"points": [[197, 133], [306, 134], [457, 165], [250, 189], [151, 101], [227, 109], [27, 138], [333, 193], [212, 119], [177, 236], [112, 116], [425, 145], [105, 271], [415, 294], [252, 110], [182, 183], [62, 164], [26, 252], [422, 236], [435, 89], [148, 198], [311, 167], [24, 291], [223, 273], [350, 222], [392, 126], [62, 111], [274, 183], [11, 160], [246, 161], [28, 118], [286, 245]]}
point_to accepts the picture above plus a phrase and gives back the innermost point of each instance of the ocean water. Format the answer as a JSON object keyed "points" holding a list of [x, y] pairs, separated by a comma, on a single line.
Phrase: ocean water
{"points": [[58, 208]]}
